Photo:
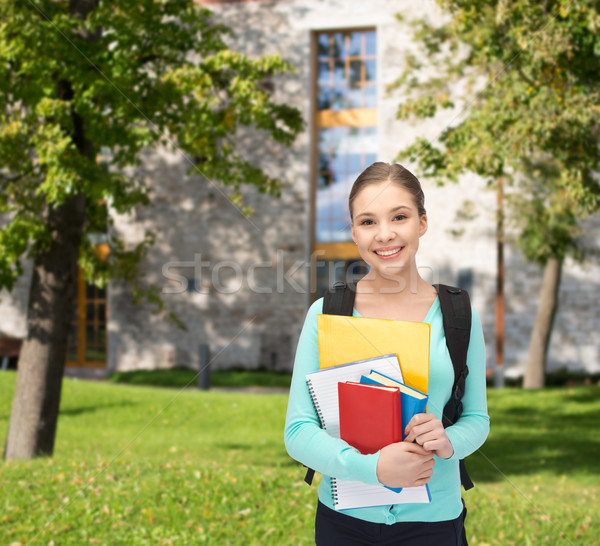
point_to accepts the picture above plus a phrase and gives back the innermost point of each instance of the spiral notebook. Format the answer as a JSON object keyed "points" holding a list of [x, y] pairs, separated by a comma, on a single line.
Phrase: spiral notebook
{"points": [[323, 387]]}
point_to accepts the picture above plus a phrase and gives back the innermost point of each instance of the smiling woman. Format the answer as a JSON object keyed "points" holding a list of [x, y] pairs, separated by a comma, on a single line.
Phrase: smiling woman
{"points": [[388, 219], [387, 207]]}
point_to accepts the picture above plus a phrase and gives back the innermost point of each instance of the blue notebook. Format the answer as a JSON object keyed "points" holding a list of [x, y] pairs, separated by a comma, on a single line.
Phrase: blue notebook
{"points": [[412, 401]]}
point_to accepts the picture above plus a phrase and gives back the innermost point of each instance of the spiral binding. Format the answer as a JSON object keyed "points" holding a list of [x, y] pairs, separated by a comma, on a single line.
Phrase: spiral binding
{"points": [[334, 492], [314, 399]]}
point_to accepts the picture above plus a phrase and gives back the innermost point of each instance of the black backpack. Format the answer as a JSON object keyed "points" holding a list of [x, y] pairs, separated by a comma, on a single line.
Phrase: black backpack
{"points": [[456, 310]]}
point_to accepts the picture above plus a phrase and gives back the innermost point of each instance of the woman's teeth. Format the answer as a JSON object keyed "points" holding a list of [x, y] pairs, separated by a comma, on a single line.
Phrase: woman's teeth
{"points": [[388, 252]]}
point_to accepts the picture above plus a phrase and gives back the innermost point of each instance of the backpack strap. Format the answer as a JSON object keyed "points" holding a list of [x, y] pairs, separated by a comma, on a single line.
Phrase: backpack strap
{"points": [[338, 300], [456, 310]]}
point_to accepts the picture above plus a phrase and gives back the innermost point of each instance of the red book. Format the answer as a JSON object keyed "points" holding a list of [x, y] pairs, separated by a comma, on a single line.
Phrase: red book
{"points": [[370, 416]]}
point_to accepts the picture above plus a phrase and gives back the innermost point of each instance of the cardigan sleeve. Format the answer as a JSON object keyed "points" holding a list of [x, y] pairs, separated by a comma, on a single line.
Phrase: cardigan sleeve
{"points": [[305, 440], [473, 426]]}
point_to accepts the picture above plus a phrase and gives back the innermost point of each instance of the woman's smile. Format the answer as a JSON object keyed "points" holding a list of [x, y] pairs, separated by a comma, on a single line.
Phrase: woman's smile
{"points": [[388, 252]]}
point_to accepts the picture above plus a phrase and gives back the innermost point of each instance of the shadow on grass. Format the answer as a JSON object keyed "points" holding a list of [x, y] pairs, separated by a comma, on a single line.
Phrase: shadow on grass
{"points": [[591, 395], [556, 437], [244, 447], [182, 377], [71, 412]]}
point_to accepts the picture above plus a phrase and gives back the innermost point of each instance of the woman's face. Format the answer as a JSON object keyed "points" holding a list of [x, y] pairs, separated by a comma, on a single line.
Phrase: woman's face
{"points": [[386, 227]]}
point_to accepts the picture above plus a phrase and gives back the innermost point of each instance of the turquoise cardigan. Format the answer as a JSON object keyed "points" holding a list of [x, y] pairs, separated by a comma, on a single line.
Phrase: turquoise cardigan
{"points": [[309, 444]]}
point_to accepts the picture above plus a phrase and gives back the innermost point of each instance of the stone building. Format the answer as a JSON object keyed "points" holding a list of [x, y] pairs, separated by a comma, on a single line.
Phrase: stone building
{"points": [[242, 285]]}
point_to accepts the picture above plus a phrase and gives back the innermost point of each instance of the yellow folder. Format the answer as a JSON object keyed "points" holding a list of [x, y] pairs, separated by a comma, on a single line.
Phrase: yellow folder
{"points": [[344, 339]]}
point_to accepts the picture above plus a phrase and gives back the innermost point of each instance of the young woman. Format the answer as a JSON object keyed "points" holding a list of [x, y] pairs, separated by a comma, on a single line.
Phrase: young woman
{"points": [[388, 220]]}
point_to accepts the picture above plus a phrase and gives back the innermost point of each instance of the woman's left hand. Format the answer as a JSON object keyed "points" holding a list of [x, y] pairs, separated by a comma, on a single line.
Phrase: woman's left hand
{"points": [[427, 430]]}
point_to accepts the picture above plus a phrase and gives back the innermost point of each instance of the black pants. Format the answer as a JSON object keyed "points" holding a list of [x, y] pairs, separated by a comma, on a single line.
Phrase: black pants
{"points": [[334, 528]]}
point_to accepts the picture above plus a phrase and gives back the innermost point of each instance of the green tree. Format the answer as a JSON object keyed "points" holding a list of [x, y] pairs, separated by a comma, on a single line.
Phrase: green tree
{"points": [[521, 79], [77, 76]]}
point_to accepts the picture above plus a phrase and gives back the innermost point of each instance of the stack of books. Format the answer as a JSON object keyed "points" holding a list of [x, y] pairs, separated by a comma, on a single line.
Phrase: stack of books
{"points": [[368, 400]]}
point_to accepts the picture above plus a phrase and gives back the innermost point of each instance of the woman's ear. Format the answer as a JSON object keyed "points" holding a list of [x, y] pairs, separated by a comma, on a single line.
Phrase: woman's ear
{"points": [[422, 225], [352, 233]]}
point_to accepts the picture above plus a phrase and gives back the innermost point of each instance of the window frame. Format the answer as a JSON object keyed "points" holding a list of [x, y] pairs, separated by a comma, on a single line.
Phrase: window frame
{"points": [[81, 322]]}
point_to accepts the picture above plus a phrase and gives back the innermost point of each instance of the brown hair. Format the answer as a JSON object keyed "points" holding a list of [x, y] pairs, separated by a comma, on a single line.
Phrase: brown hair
{"points": [[394, 172]]}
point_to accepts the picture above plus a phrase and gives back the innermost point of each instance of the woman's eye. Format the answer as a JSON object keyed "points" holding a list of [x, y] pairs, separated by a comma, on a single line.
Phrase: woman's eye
{"points": [[400, 217], [366, 222]]}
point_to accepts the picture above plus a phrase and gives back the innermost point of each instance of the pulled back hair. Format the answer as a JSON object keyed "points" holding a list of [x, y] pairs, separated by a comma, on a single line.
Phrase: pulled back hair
{"points": [[383, 172]]}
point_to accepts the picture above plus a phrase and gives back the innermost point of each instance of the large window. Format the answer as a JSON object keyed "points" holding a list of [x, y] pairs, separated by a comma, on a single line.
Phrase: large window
{"points": [[345, 143]]}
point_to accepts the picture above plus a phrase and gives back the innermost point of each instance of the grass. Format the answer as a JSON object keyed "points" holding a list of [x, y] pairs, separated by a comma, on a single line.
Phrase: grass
{"points": [[156, 466], [183, 377]]}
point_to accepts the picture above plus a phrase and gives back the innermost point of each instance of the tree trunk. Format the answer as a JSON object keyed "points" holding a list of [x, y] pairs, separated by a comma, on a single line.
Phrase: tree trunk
{"points": [[540, 337], [34, 415], [41, 363]]}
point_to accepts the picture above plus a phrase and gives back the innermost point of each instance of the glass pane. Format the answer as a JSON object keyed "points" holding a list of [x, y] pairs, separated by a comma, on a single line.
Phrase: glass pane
{"points": [[322, 277], [323, 162], [370, 159], [338, 165], [323, 179], [339, 49], [354, 139], [332, 218], [339, 72], [101, 293], [370, 139], [338, 101], [356, 44], [370, 70], [101, 312], [90, 334], [95, 354], [355, 270], [355, 97], [371, 43], [354, 163], [370, 131], [101, 354], [334, 176], [370, 94], [337, 138], [323, 45], [89, 312], [355, 75], [338, 161], [324, 98], [89, 291], [323, 136], [324, 74]]}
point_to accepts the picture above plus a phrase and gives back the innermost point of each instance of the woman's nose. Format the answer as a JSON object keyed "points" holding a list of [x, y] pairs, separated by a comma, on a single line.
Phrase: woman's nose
{"points": [[384, 233]]}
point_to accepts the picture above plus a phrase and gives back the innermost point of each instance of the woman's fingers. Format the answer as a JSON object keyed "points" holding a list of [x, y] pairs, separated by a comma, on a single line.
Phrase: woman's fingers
{"points": [[401, 464], [427, 430], [416, 429]]}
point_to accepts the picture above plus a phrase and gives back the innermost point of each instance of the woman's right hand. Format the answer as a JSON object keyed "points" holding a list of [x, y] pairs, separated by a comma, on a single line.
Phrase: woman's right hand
{"points": [[404, 464]]}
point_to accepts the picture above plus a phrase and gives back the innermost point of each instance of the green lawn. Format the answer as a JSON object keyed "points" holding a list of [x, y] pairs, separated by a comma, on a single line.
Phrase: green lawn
{"points": [[141, 465]]}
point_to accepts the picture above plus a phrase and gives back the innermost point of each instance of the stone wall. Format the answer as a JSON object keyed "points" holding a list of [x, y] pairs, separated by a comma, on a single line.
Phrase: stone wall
{"points": [[13, 306]]}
